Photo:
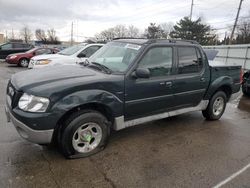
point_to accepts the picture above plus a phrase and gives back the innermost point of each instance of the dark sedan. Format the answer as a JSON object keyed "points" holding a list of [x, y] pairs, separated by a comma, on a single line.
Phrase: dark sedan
{"points": [[13, 47], [22, 59]]}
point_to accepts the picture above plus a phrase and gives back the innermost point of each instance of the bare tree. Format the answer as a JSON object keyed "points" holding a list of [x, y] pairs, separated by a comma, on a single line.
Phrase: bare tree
{"points": [[243, 32], [52, 35], [118, 31], [166, 29], [133, 31], [26, 34], [40, 35]]}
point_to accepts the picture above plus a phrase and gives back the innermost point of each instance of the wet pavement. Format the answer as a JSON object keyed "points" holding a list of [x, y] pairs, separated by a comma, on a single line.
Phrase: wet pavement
{"points": [[181, 151]]}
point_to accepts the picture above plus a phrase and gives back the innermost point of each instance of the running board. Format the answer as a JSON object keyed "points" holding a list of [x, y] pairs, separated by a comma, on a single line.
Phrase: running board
{"points": [[120, 124]]}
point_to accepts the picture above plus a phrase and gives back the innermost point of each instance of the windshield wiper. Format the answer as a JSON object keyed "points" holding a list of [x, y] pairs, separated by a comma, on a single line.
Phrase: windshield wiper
{"points": [[100, 67]]}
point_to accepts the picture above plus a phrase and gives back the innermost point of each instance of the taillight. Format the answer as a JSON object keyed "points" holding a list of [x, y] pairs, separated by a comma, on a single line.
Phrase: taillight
{"points": [[241, 75]]}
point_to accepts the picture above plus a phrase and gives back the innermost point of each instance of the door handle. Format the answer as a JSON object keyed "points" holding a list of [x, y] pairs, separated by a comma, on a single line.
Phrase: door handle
{"points": [[203, 79], [169, 84]]}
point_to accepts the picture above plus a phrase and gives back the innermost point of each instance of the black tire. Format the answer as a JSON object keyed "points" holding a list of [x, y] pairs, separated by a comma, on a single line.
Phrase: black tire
{"points": [[245, 91], [23, 62], [73, 124], [210, 113]]}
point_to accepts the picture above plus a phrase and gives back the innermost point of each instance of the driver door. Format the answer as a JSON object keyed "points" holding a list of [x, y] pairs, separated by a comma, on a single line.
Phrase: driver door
{"points": [[153, 95]]}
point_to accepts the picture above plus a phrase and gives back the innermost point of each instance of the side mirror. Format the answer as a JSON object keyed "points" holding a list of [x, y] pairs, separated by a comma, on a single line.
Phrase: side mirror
{"points": [[34, 53], [141, 73], [81, 55]]}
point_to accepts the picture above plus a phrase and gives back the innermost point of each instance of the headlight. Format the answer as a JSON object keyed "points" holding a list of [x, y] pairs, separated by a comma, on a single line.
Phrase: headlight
{"points": [[13, 56], [33, 103], [43, 62]]}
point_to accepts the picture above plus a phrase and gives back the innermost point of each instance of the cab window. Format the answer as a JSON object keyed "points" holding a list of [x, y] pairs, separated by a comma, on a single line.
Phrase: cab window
{"points": [[190, 60], [158, 60]]}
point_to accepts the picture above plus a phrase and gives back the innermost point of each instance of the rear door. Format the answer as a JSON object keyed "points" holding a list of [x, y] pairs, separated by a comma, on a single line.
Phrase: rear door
{"points": [[153, 95], [19, 47], [192, 76], [5, 50]]}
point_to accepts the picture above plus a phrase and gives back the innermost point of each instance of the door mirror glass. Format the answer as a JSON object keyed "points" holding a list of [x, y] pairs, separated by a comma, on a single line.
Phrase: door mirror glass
{"points": [[81, 55], [141, 73]]}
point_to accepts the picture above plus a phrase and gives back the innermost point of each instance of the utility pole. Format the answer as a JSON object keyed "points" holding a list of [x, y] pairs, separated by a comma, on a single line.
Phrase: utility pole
{"points": [[71, 40], [191, 10], [6, 36], [13, 36], [225, 38], [235, 23]]}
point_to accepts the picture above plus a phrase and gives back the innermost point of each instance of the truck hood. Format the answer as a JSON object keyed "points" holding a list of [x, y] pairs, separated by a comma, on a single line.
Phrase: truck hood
{"points": [[38, 77]]}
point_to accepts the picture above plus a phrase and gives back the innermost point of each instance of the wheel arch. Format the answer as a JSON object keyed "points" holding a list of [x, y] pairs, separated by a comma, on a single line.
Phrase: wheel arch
{"points": [[221, 84], [94, 106]]}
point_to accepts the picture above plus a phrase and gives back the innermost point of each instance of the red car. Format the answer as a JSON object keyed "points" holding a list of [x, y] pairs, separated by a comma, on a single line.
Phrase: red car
{"points": [[22, 59]]}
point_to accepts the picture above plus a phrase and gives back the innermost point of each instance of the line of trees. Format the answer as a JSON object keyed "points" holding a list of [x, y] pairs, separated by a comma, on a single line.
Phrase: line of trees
{"points": [[45, 37], [183, 29]]}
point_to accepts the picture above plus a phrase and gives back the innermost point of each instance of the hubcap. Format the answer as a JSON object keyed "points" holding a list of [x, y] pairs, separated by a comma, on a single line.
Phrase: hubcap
{"points": [[218, 106], [24, 63], [87, 137]]}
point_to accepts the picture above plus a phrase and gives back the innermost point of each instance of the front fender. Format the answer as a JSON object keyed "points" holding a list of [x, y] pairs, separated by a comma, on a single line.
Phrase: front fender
{"points": [[86, 97], [218, 83]]}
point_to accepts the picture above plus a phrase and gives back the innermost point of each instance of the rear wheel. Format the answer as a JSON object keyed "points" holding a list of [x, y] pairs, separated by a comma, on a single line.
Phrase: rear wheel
{"points": [[85, 134], [216, 106], [23, 62], [245, 91]]}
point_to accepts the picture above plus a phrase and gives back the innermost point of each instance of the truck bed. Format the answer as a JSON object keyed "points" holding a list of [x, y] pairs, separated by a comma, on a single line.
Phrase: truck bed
{"points": [[233, 71]]}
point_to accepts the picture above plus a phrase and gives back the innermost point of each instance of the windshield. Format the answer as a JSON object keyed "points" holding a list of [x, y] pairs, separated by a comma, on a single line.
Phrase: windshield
{"points": [[71, 50], [31, 50], [116, 56]]}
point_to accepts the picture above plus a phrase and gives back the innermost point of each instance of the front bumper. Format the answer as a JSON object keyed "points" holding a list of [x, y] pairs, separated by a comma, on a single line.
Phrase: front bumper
{"points": [[35, 136], [11, 61]]}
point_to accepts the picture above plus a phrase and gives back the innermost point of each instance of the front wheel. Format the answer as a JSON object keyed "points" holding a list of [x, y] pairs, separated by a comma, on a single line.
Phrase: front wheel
{"points": [[23, 62], [86, 133], [216, 106]]}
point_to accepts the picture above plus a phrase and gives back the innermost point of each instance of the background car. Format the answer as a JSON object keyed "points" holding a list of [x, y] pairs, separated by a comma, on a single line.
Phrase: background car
{"points": [[22, 59], [246, 84], [13, 47], [72, 55]]}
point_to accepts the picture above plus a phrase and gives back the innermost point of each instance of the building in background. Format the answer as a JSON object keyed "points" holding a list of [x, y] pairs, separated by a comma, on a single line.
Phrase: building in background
{"points": [[1, 38]]}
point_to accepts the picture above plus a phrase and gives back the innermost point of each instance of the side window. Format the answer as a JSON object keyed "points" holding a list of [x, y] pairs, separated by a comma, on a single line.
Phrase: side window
{"points": [[158, 60], [18, 45], [90, 50], [6, 46], [189, 60], [47, 51], [41, 51]]}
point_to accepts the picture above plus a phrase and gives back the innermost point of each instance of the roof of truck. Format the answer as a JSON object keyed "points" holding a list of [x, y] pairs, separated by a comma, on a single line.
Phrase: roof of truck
{"points": [[142, 41]]}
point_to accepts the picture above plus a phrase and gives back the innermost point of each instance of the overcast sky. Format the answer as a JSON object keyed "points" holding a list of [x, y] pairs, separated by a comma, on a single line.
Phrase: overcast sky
{"points": [[92, 16]]}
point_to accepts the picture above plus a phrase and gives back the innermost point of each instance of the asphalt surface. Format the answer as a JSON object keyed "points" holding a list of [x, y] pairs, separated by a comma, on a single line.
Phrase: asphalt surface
{"points": [[182, 151]]}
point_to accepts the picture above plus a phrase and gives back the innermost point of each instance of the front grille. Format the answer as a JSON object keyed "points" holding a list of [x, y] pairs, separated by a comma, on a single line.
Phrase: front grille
{"points": [[12, 95]]}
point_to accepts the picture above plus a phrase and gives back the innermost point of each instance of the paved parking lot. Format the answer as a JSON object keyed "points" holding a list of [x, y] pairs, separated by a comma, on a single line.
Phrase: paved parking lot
{"points": [[182, 151]]}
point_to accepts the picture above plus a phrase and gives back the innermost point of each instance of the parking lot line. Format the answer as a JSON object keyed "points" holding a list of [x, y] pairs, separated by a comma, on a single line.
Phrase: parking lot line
{"points": [[230, 178]]}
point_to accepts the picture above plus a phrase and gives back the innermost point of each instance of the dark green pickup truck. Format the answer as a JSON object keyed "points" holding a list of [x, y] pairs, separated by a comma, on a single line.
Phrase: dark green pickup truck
{"points": [[127, 82]]}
